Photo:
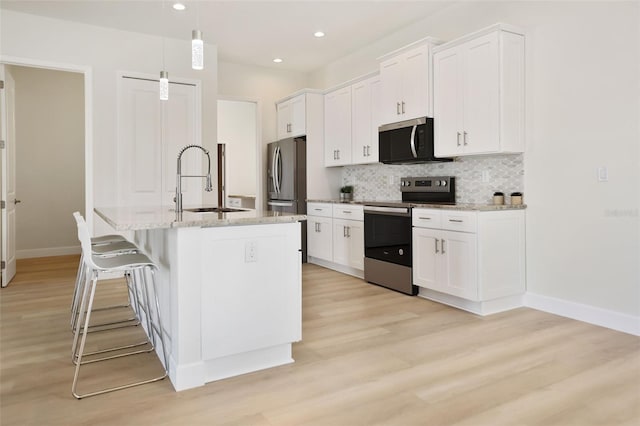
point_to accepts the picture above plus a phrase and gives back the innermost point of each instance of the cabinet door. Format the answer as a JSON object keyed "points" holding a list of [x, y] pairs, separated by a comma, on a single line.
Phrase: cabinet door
{"points": [[426, 258], [337, 127], [298, 116], [447, 101], [319, 238], [415, 84], [480, 93], [362, 127], [283, 110], [459, 252], [390, 90], [341, 241], [356, 244]]}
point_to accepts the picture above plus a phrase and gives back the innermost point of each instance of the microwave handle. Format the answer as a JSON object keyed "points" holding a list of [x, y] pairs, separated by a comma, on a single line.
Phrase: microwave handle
{"points": [[413, 142]]}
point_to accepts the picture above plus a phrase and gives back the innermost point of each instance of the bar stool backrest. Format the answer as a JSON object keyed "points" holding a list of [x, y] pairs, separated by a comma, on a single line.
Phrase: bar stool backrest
{"points": [[84, 237]]}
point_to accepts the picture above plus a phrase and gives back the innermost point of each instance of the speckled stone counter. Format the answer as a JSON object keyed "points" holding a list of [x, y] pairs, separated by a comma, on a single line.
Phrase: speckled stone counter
{"points": [[468, 207], [137, 218]]}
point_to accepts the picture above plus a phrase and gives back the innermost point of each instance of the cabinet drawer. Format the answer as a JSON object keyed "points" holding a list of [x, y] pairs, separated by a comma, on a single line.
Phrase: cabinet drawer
{"points": [[348, 211], [319, 209], [459, 221], [426, 218]]}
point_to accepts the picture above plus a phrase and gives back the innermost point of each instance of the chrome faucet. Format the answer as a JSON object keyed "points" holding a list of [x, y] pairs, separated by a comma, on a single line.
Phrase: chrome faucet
{"points": [[208, 186]]}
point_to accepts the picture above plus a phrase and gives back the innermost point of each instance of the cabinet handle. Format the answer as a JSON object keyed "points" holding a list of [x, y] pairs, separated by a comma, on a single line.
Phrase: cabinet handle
{"points": [[368, 151], [364, 151], [344, 231], [338, 151], [397, 108], [346, 211], [442, 246], [458, 138], [456, 220], [436, 241], [318, 210], [464, 138], [424, 218], [403, 107], [348, 232]]}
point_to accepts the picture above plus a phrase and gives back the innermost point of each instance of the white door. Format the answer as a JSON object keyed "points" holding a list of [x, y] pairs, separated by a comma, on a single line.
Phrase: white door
{"points": [[415, 84], [150, 135], [337, 127], [7, 129], [356, 244], [460, 254], [426, 258], [447, 100], [391, 74]]}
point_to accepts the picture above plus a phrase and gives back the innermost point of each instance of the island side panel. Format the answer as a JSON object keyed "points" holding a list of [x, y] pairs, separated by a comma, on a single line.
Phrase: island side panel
{"points": [[177, 252], [251, 297]]}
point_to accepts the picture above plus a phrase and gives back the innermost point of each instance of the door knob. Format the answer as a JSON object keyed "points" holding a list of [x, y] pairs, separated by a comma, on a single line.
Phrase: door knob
{"points": [[16, 201]]}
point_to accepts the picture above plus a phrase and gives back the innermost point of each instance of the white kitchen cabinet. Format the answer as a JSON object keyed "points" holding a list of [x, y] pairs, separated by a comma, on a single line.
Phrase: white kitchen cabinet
{"points": [[365, 118], [335, 236], [473, 260], [291, 117], [479, 93], [406, 82], [337, 127]]}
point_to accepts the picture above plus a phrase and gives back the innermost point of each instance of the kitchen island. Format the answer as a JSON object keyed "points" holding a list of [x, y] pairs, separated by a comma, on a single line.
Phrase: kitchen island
{"points": [[229, 286]]}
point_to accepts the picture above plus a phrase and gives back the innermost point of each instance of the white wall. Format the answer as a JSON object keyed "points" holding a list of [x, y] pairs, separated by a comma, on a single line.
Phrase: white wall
{"points": [[237, 130], [106, 51], [49, 160], [583, 236]]}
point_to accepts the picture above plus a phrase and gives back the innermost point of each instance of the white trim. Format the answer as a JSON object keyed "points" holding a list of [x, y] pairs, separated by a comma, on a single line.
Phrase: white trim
{"points": [[590, 314], [483, 308], [358, 273], [88, 118], [47, 252]]}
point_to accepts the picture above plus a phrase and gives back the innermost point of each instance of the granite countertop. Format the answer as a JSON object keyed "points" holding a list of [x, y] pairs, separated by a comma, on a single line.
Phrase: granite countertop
{"points": [[461, 206], [157, 217]]}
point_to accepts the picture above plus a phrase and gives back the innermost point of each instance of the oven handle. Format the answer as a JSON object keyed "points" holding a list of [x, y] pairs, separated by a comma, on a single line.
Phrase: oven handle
{"points": [[401, 211]]}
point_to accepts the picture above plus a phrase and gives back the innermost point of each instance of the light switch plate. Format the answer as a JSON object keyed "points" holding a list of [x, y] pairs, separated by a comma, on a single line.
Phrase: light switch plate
{"points": [[603, 174]]}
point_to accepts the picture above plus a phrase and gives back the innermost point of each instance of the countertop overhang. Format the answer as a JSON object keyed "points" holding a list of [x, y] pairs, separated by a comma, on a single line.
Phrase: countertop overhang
{"points": [[132, 218]]}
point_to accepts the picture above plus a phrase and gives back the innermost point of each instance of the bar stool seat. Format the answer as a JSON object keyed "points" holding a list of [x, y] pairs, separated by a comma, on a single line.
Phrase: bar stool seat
{"points": [[138, 268]]}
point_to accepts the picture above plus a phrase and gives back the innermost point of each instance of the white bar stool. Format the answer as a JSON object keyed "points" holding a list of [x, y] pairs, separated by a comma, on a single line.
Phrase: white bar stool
{"points": [[138, 268], [106, 245]]}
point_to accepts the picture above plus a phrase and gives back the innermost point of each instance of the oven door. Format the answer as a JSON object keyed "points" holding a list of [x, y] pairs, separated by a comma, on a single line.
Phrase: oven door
{"points": [[387, 234]]}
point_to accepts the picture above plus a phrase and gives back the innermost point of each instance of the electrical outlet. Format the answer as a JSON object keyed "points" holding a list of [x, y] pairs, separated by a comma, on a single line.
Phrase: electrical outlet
{"points": [[250, 252]]}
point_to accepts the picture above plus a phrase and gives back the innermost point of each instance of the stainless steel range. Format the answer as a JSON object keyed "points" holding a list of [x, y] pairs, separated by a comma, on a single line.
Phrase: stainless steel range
{"points": [[387, 230]]}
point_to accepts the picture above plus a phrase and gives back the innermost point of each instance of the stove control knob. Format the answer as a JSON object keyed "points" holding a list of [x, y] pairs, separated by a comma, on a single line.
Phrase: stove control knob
{"points": [[443, 183], [437, 183], [408, 183], [403, 183]]}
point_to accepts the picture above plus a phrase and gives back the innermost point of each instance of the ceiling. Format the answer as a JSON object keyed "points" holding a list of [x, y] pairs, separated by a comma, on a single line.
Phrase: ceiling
{"points": [[251, 32]]}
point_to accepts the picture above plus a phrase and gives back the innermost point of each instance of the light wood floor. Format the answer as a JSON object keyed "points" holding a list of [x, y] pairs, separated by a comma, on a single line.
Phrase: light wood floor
{"points": [[368, 356]]}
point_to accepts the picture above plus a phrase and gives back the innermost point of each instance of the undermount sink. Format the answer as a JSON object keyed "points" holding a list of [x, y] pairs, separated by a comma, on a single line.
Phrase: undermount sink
{"points": [[214, 210]]}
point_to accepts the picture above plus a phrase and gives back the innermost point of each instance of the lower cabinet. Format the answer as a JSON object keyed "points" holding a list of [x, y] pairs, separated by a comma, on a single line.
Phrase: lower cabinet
{"points": [[335, 237], [473, 260]]}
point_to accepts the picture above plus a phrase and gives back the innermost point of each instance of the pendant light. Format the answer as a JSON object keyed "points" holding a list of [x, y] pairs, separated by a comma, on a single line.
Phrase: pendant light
{"points": [[197, 46], [164, 75], [197, 50], [164, 86]]}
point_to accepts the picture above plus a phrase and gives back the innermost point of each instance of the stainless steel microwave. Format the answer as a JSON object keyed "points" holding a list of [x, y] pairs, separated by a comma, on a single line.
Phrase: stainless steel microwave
{"points": [[407, 142]]}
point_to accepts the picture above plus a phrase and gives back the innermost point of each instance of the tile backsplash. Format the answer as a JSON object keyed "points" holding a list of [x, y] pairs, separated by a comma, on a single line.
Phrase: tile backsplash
{"points": [[504, 173]]}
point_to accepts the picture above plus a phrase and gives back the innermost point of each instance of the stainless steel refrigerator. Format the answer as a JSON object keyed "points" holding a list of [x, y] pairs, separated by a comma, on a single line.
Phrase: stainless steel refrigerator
{"points": [[287, 180]]}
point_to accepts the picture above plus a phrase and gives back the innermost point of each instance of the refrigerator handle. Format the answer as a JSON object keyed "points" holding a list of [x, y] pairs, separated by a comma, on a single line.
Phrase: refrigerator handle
{"points": [[279, 168], [273, 169]]}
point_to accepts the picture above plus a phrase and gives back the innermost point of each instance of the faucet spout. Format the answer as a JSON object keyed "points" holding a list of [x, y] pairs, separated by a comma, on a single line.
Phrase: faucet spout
{"points": [[208, 185]]}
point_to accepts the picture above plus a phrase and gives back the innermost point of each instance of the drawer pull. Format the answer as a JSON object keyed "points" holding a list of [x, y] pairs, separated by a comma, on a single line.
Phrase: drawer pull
{"points": [[436, 241], [456, 220], [318, 210], [346, 211], [424, 218]]}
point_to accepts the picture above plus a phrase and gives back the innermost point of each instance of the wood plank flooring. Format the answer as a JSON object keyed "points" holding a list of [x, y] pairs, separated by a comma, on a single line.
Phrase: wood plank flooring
{"points": [[369, 356]]}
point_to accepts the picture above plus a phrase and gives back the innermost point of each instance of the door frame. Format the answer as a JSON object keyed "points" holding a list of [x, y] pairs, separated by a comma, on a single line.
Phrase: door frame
{"points": [[261, 149], [88, 118]]}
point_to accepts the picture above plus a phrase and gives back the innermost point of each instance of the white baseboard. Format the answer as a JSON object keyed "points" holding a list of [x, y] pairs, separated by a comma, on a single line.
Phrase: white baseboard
{"points": [[358, 273], [47, 252], [593, 315]]}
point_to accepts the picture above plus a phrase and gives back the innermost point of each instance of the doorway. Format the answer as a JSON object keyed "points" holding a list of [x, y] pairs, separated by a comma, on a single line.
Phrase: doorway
{"points": [[238, 131], [50, 158]]}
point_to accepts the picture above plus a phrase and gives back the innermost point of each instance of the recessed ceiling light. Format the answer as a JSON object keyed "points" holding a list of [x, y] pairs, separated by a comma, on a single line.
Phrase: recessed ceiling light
{"points": [[179, 6], [318, 34], [277, 60]]}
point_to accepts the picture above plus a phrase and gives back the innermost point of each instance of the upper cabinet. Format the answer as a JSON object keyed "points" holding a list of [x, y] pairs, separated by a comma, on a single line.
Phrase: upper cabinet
{"points": [[337, 127], [479, 93], [291, 117], [365, 118], [406, 82]]}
